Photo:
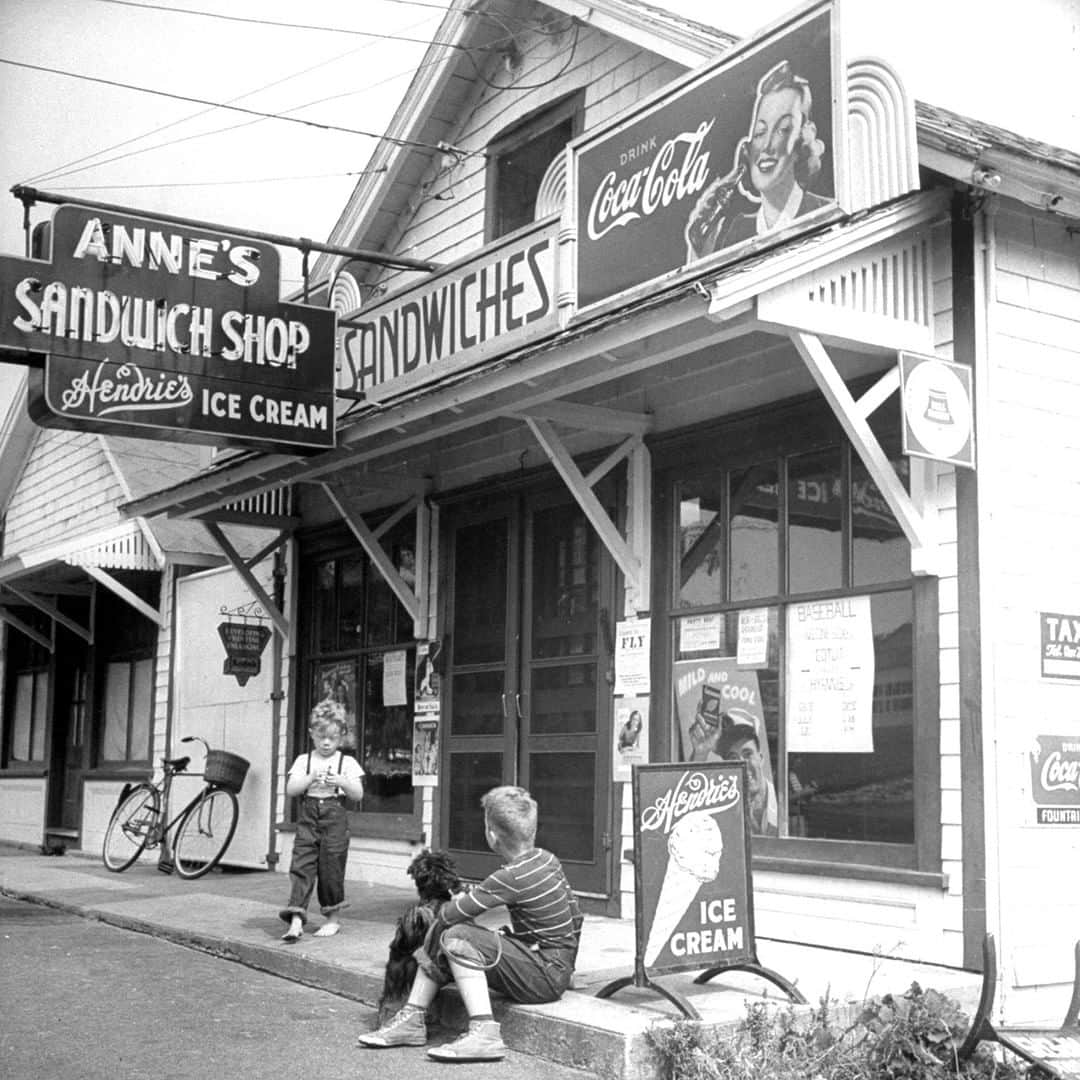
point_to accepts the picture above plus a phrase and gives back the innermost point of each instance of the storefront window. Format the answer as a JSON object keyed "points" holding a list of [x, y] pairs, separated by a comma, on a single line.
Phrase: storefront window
{"points": [[126, 645], [810, 680], [754, 530], [27, 693], [363, 656]]}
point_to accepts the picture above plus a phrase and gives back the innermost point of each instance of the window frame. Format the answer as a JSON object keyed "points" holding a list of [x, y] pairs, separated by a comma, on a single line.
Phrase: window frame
{"points": [[36, 662], [774, 435], [514, 137]]}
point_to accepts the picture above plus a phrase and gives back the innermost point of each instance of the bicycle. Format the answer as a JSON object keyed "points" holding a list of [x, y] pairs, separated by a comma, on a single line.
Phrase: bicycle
{"points": [[203, 829]]}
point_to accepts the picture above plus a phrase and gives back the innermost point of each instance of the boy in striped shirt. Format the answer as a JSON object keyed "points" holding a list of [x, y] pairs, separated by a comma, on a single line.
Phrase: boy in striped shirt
{"points": [[531, 962]]}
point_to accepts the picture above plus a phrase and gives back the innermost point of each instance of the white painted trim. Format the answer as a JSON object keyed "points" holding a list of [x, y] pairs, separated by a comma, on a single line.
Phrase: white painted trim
{"points": [[924, 549], [125, 594]]}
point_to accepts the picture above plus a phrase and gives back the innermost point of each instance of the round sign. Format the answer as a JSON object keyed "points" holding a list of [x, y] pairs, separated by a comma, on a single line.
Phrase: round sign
{"points": [[937, 409]]}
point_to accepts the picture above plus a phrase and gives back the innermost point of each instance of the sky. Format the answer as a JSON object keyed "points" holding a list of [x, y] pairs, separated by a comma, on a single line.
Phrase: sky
{"points": [[134, 145]]}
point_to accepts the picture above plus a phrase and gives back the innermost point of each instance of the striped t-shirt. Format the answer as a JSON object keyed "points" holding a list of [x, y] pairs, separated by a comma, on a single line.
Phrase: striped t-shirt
{"points": [[542, 906]]}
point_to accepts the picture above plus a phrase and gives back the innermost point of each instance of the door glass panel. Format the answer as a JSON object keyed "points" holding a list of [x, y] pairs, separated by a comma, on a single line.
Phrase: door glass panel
{"points": [[564, 786], [471, 776], [815, 521], [325, 608], [755, 531], [351, 602], [563, 699], [480, 593], [565, 585], [478, 703]]}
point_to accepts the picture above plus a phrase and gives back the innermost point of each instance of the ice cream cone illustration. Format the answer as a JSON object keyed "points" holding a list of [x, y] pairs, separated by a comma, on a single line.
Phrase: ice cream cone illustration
{"points": [[694, 850]]}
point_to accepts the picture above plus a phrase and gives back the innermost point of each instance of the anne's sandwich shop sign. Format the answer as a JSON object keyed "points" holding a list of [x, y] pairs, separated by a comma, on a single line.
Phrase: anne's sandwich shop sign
{"points": [[164, 331]]}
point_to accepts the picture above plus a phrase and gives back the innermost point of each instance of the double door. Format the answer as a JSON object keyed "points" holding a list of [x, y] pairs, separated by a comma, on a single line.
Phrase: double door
{"points": [[529, 672]]}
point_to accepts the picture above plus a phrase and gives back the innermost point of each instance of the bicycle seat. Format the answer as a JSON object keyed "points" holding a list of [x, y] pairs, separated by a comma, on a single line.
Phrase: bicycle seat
{"points": [[176, 764]]}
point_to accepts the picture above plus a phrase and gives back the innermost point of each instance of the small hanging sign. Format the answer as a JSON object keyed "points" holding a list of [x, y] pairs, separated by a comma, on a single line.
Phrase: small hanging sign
{"points": [[938, 412], [244, 637]]}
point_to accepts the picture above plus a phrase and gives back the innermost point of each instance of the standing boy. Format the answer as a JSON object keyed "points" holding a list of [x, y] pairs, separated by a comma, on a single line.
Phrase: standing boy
{"points": [[532, 962], [322, 779]]}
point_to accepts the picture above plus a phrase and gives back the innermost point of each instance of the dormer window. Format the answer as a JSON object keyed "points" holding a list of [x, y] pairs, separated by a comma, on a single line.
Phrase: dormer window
{"points": [[519, 159]]}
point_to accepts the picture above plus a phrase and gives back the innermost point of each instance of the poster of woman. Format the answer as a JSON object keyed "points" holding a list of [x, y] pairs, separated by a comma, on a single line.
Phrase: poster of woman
{"points": [[337, 682], [631, 734], [720, 718]]}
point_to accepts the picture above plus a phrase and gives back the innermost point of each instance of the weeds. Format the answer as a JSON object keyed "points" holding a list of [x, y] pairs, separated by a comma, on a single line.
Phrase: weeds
{"points": [[914, 1036]]}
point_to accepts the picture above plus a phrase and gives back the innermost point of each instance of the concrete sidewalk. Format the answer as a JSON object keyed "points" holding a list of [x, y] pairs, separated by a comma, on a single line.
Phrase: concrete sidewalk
{"points": [[233, 914]]}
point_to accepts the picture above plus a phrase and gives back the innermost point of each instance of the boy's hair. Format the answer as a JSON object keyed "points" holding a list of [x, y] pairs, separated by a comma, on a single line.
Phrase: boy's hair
{"points": [[510, 813], [325, 715]]}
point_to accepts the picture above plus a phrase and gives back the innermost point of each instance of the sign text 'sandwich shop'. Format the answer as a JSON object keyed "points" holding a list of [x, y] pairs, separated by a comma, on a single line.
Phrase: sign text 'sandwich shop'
{"points": [[166, 331]]}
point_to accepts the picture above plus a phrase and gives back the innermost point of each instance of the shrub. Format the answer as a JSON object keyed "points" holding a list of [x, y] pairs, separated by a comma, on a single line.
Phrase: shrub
{"points": [[915, 1036]]}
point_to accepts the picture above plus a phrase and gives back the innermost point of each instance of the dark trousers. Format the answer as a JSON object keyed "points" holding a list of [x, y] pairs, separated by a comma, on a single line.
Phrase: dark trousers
{"points": [[320, 852]]}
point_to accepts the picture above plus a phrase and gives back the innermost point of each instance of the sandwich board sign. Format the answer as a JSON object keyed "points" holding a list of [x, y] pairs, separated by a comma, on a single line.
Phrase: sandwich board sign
{"points": [[694, 901]]}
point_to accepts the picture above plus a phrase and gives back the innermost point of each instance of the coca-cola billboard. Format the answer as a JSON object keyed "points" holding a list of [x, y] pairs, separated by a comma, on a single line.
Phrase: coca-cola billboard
{"points": [[1055, 779], [735, 157]]}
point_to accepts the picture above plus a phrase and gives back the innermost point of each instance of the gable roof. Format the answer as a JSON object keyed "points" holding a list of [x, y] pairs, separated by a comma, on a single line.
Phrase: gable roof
{"points": [[430, 111]]}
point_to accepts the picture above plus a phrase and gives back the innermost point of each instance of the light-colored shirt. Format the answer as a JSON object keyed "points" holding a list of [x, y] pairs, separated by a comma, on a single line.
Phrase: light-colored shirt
{"points": [[342, 763]]}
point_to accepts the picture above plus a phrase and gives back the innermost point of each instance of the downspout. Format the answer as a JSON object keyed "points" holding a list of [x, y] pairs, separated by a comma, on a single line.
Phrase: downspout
{"points": [[277, 695]]}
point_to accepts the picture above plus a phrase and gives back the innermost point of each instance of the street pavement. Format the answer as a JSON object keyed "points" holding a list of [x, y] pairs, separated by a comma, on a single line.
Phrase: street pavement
{"points": [[87, 1001], [234, 914]]}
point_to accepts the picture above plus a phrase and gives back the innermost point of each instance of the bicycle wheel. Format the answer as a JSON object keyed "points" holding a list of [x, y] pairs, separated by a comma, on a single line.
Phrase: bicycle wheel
{"points": [[132, 824], [204, 832]]}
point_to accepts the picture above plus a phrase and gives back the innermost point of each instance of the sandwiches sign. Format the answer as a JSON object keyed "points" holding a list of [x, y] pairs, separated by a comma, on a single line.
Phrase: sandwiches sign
{"points": [[163, 331]]}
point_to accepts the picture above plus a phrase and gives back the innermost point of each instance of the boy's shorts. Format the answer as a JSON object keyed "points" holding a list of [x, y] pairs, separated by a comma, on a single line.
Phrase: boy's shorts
{"points": [[524, 973]]}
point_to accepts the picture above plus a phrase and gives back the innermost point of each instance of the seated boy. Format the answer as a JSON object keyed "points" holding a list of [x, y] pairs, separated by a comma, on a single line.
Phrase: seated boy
{"points": [[532, 962]]}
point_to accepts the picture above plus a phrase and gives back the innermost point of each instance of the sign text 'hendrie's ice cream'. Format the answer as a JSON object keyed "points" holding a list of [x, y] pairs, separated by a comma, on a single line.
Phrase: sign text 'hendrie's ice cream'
{"points": [[692, 840], [165, 331], [466, 313]]}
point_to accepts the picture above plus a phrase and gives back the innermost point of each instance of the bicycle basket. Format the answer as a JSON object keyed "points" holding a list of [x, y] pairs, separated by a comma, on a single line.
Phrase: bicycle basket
{"points": [[225, 769]]}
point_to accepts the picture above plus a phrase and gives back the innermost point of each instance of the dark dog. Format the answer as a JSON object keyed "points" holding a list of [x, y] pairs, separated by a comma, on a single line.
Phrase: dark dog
{"points": [[436, 880]]}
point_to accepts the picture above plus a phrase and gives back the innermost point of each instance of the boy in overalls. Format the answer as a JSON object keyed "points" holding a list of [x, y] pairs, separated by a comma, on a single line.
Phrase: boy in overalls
{"points": [[322, 779]]}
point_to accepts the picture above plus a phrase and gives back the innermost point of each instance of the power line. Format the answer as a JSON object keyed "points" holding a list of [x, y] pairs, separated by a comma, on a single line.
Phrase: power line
{"points": [[285, 25], [232, 108], [67, 169], [223, 183]]}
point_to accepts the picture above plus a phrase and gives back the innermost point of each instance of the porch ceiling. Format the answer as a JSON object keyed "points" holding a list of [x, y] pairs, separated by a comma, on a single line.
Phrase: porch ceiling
{"points": [[641, 360]]}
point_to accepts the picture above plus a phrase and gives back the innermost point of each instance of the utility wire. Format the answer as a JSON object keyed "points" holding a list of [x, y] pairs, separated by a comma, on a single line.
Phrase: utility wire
{"points": [[224, 183], [285, 25], [60, 171], [232, 108]]}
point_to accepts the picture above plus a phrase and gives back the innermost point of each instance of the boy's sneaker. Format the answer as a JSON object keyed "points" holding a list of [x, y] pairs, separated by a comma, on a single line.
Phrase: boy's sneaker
{"points": [[407, 1027], [482, 1042]]}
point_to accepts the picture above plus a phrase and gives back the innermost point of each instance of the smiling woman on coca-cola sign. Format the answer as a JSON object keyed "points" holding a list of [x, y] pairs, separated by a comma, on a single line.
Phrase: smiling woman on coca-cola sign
{"points": [[775, 162]]}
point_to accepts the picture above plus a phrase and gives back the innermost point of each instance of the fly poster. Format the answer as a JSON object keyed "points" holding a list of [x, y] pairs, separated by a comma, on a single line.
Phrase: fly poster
{"points": [[694, 905]]}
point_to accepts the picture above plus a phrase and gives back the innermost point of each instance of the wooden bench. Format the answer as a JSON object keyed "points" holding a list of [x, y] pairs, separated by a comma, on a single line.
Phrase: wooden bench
{"points": [[1057, 1050]]}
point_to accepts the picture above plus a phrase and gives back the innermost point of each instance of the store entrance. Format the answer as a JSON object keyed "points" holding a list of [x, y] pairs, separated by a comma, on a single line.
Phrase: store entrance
{"points": [[70, 736], [528, 666]]}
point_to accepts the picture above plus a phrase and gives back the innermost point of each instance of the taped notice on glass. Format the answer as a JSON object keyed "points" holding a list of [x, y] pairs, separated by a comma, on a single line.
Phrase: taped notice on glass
{"points": [[632, 649], [830, 676]]}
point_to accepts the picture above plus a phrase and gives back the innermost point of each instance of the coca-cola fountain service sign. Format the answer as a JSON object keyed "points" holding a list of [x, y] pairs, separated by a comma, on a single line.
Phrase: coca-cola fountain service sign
{"points": [[672, 184], [1055, 779]]}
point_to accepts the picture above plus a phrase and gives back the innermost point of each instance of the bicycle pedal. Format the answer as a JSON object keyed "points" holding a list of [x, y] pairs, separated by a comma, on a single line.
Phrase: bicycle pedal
{"points": [[166, 867]]}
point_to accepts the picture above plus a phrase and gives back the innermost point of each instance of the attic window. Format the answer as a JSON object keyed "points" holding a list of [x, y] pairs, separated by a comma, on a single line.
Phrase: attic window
{"points": [[518, 160]]}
